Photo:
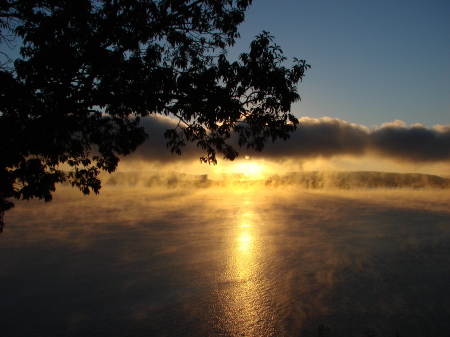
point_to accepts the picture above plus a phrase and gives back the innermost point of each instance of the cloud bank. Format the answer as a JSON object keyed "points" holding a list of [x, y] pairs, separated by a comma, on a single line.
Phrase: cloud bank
{"points": [[322, 138]]}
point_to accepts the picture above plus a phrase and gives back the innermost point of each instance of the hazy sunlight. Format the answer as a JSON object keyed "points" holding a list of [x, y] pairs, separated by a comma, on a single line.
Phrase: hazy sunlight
{"points": [[251, 170]]}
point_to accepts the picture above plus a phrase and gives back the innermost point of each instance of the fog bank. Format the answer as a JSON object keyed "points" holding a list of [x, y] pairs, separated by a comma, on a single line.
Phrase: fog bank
{"points": [[299, 180], [323, 137]]}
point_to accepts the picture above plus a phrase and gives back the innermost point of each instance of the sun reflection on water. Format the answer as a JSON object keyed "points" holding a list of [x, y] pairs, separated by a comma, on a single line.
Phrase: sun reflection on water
{"points": [[245, 299], [245, 242]]}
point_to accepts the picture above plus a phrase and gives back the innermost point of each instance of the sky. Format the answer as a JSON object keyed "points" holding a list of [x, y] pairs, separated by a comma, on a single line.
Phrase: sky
{"points": [[377, 97], [372, 61]]}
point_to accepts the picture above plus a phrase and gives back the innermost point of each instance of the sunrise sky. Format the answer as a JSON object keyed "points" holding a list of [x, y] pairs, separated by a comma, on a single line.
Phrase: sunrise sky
{"points": [[376, 97], [372, 61]]}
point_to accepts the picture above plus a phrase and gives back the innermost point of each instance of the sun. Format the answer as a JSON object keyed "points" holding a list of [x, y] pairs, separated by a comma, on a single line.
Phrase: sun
{"points": [[250, 169]]}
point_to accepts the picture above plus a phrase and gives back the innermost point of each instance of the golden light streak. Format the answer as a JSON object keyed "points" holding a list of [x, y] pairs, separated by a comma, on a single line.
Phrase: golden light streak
{"points": [[244, 306]]}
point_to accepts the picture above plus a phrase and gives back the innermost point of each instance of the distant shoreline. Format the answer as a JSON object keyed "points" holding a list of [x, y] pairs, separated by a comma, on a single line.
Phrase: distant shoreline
{"points": [[308, 180]]}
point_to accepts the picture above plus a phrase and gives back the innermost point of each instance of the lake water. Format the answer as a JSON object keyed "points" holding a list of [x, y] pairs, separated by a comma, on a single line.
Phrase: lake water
{"points": [[227, 262]]}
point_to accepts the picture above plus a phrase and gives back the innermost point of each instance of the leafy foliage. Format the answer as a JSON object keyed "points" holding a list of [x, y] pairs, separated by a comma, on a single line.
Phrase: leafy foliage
{"points": [[89, 70]]}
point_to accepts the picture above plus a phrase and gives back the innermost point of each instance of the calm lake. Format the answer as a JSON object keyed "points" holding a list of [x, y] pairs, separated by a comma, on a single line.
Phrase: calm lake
{"points": [[227, 262]]}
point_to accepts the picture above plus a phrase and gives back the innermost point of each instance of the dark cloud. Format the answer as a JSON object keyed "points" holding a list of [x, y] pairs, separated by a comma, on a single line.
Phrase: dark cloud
{"points": [[416, 143], [155, 148], [324, 137]]}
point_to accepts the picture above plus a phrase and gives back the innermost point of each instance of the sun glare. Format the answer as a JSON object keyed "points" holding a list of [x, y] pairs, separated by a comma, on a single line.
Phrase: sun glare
{"points": [[250, 170]]}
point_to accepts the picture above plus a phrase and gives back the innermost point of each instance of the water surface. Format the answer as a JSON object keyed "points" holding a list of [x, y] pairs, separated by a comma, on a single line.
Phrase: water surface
{"points": [[227, 262]]}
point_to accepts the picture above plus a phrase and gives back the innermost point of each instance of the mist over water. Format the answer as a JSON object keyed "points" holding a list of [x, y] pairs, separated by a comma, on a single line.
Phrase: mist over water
{"points": [[239, 259]]}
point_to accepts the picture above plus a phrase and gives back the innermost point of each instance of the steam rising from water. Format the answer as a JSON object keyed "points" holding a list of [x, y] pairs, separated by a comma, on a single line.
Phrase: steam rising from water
{"points": [[296, 180], [235, 258]]}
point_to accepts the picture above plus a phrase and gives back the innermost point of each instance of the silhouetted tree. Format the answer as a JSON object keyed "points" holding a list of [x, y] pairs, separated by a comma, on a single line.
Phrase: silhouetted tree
{"points": [[89, 69], [323, 331]]}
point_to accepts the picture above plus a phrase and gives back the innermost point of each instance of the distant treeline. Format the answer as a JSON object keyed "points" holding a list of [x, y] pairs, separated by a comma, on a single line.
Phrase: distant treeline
{"points": [[349, 180], [306, 180]]}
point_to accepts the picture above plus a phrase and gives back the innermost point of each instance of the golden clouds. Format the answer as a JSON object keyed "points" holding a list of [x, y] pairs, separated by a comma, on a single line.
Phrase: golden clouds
{"points": [[328, 139]]}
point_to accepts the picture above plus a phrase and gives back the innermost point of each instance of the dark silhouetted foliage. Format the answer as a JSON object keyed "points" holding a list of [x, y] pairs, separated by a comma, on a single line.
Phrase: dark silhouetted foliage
{"points": [[323, 331], [89, 70]]}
